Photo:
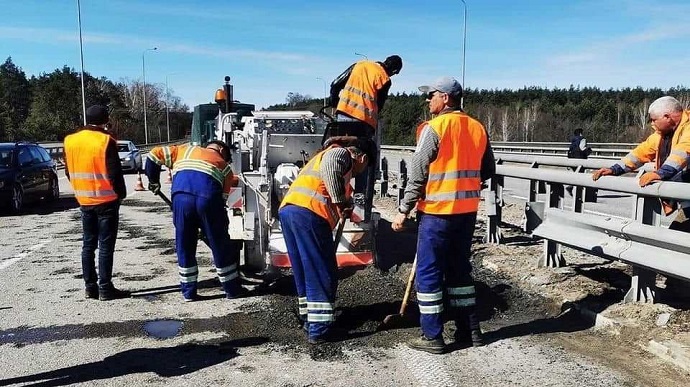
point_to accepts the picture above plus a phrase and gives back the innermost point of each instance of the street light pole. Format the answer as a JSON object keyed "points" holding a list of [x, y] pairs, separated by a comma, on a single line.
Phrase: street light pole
{"points": [[365, 57], [143, 70], [167, 109], [81, 57], [464, 45], [324, 90]]}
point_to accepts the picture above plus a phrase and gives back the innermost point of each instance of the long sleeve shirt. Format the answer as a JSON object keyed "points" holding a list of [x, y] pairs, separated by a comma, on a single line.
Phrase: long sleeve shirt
{"points": [[335, 165], [418, 171]]}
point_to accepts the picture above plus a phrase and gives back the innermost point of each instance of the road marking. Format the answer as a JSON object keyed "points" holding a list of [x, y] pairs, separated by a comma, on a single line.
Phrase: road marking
{"points": [[10, 261], [425, 367]]}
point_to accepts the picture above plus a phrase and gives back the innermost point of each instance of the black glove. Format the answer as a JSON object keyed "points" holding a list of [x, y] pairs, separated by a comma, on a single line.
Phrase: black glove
{"points": [[155, 187]]}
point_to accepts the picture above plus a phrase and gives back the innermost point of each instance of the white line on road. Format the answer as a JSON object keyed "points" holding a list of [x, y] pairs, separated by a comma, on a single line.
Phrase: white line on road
{"points": [[8, 262]]}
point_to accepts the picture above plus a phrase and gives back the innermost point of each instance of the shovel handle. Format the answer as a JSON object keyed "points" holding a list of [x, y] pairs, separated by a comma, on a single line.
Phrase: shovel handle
{"points": [[338, 234], [408, 288]]}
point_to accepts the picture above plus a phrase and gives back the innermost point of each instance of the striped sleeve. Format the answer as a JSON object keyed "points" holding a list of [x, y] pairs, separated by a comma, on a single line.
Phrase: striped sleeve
{"points": [[418, 173], [164, 155], [335, 164]]}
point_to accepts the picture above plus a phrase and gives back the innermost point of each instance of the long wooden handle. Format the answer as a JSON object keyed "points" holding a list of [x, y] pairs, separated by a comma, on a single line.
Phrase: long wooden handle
{"points": [[338, 234], [408, 289]]}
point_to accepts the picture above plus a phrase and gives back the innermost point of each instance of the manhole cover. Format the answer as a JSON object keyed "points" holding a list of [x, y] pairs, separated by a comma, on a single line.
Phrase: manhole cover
{"points": [[163, 329]]}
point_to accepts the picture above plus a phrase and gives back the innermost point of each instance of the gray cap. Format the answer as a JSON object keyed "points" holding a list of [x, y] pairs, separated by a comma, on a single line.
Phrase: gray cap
{"points": [[448, 85]]}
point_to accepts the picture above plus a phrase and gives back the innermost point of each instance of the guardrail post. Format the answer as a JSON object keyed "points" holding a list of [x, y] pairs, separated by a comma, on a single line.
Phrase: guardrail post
{"points": [[402, 180], [578, 192], [534, 211], [493, 202], [384, 178], [553, 256], [642, 286]]}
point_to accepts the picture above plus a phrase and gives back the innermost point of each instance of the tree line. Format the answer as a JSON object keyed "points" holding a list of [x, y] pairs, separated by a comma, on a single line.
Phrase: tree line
{"points": [[527, 114], [49, 106]]}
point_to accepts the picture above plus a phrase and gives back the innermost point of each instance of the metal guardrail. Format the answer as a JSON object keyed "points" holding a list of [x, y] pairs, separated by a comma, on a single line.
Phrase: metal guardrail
{"points": [[639, 241]]}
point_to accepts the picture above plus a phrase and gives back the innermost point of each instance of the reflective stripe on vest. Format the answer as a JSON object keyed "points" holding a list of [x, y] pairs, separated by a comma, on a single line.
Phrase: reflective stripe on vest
{"points": [[85, 158], [358, 97], [309, 191], [454, 182]]}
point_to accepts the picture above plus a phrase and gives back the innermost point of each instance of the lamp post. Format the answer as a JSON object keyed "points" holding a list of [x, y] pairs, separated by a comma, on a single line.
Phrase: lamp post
{"points": [[464, 44], [365, 57], [143, 70], [324, 90], [81, 57]]}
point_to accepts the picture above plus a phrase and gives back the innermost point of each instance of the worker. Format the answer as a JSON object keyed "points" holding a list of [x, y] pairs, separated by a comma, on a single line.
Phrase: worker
{"points": [[452, 158], [358, 95], [318, 198], [92, 166], [200, 187], [669, 148]]}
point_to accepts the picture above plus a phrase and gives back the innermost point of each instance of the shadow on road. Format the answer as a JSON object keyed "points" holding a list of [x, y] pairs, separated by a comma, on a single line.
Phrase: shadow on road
{"points": [[164, 362]]}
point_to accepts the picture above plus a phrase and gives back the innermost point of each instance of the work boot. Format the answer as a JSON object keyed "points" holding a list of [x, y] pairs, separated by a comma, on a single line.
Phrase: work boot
{"points": [[238, 293], [91, 293], [191, 298], [469, 337], [112, 293], [435, 346]]}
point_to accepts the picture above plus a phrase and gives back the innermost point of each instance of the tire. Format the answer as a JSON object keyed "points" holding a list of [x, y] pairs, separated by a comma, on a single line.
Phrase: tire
{"points": [[53, 193], [17, 202]]}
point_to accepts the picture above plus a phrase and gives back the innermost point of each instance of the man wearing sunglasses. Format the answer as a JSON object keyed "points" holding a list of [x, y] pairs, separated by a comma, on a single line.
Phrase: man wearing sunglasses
{"points": [[452, 158]]}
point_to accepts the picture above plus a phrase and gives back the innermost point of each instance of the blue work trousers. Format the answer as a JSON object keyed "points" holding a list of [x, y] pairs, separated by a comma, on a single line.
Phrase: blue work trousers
{"points": [[444, 272], [100, 224], [191, 213], [310, 246]]}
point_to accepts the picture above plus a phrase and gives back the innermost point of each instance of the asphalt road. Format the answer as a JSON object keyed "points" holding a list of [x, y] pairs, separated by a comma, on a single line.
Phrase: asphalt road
{"points": [[50, 335]]}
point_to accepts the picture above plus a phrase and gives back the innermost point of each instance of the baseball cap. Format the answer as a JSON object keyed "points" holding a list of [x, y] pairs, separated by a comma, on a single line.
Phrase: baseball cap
{"points": [[448, 85], [97, 115]]}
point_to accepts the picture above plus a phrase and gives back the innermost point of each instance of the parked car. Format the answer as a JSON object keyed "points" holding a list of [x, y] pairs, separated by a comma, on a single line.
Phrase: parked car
{"points": [[26, 173], [130, 156]]}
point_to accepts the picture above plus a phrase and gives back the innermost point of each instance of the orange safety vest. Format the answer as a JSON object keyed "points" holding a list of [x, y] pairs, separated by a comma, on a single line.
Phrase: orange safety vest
{"points": [[454, 182], [358, 97], [309, 191], [85, 159]]}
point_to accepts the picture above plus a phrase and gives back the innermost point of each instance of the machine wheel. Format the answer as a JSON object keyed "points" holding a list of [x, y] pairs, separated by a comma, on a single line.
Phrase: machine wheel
{"points": [[54, 190], [17, 202]]}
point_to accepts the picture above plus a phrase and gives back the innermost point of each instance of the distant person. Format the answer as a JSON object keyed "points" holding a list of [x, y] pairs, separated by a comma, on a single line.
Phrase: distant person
{"points": [[578, 146], [578, 149], [452, 158], [92, 166], [358, 96], [669, 148], [200, 188]]}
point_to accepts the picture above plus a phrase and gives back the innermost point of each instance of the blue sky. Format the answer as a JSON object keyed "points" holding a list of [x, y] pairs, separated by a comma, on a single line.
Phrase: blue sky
{"points": [[271, 48]]}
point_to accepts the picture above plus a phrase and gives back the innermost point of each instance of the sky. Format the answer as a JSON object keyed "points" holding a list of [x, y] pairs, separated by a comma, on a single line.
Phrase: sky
{"points": [[272, 48]]}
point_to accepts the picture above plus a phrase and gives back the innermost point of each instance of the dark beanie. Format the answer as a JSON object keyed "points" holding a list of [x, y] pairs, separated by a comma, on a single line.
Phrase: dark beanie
{"points": [[393, 64], [97, 115]]}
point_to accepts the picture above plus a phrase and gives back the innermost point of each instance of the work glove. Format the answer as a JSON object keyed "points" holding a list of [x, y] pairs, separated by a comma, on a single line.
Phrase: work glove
{"points": [[648, 178], [344, 210], [601, 172], [155, 187]]}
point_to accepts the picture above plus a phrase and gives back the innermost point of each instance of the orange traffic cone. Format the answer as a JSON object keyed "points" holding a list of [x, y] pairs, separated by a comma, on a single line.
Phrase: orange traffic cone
{"points": [[139, 185], [168, 180]]}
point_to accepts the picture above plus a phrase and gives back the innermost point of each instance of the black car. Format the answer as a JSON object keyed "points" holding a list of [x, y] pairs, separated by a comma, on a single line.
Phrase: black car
{"points": [[26, 173]]}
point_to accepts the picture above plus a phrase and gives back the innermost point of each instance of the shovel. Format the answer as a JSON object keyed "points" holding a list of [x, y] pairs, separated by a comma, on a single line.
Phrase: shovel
{"points": [[338, 234], [399, 319]]}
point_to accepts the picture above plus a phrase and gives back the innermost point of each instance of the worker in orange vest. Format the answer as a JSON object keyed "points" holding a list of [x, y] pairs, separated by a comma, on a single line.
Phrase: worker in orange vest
{"points": [[452, 158], [200, 189], [358, 95], [93, 168], [310, 210]]}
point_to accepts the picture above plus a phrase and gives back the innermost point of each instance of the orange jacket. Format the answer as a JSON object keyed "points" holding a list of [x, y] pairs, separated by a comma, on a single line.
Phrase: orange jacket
{"points": [[85, 158], [358, 97], [197, 170], [454, 182], [309, 191]]}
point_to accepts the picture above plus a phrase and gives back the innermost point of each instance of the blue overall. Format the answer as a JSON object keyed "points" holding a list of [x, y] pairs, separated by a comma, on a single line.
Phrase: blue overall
{"points": [[310, 246], [444, 272]]}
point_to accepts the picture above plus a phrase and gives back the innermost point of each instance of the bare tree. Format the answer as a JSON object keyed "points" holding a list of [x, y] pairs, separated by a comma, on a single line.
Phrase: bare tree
{"points": [[504, 123], [642, 114]]}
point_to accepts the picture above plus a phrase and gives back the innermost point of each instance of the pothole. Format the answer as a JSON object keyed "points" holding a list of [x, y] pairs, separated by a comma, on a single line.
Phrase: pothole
{"points": [[163, 329]]}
